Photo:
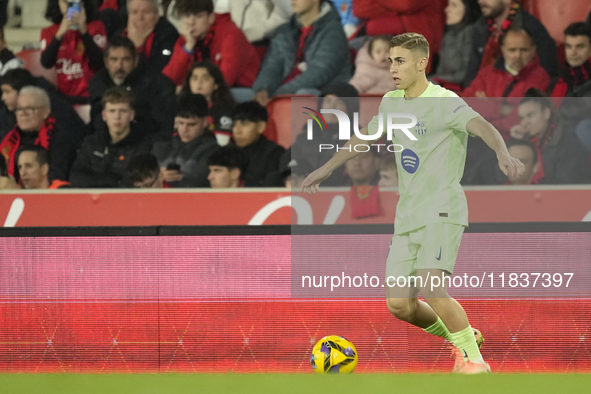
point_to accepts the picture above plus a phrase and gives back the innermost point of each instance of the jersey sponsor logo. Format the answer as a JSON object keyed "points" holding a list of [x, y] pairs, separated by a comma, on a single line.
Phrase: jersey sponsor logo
{"points": [[67, 67], [410, 161]]}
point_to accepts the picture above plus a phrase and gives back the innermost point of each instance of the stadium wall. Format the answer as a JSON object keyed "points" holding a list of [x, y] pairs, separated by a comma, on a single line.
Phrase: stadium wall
{"points": [[221, 299]]}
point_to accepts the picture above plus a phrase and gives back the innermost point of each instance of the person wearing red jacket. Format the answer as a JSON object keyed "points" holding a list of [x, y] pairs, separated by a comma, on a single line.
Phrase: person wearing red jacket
{"points": [[74, 45], [511, 76], [205, 35], [396, 17]]}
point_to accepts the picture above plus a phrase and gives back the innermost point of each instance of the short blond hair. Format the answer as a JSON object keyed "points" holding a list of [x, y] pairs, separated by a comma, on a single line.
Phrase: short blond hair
{"points": [[412, 42]]}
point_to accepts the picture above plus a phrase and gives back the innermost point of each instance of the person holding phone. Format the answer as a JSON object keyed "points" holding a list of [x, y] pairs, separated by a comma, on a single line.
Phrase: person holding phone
{"points": [[184, 159], [74, 44]]}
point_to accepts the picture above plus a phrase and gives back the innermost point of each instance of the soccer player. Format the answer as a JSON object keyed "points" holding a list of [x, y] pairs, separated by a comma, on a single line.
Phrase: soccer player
{"points": [[432, 211]]}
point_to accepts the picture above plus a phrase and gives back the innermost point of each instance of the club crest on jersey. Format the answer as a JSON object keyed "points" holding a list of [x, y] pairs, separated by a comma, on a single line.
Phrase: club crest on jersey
{"points": [[421, 128], [410, 161]]}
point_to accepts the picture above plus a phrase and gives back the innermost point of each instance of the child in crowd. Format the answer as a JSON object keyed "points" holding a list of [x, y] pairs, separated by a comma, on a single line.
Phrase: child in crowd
{"points": [[372, 72], [205, 78]]}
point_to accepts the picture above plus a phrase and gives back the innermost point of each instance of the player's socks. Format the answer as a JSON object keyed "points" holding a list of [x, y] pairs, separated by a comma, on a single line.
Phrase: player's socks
{"points": [[464, 340], [438, 329]]}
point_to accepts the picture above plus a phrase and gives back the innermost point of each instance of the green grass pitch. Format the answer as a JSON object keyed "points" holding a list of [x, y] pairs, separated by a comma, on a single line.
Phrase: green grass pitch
{"points": [[286, 384]]}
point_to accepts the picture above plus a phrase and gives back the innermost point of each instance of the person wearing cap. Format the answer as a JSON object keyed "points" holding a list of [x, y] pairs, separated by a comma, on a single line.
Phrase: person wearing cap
{"points": [[183, 159]]}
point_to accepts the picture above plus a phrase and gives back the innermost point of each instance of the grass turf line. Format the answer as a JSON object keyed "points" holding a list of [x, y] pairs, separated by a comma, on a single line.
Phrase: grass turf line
{"points": [[285, 383]]}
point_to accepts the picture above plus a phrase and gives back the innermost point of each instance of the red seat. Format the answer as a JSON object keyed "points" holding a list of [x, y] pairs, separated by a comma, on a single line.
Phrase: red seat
{"points": [[284, 126], [32, 59], [557, 15]]}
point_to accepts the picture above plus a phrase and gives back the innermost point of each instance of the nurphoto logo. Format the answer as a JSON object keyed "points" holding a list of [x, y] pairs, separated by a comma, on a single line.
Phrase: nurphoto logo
{"points": [[345, 129]]}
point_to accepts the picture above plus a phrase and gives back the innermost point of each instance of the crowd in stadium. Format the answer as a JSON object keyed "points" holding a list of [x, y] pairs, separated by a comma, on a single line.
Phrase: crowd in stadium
{"points": [[179, 90]]}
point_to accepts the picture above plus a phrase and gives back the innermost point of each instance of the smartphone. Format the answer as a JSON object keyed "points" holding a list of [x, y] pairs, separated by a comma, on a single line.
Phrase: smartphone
{"points": [[174, 167], [73, 7]]}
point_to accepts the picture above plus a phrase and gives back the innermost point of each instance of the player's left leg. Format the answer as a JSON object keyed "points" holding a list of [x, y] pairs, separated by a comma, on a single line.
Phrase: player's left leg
{"points": [[436, 259]]}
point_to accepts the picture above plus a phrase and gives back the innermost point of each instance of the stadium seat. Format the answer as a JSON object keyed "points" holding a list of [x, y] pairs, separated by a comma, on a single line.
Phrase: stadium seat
{"points": [[283, 128], [32, 59], [557, 15]]}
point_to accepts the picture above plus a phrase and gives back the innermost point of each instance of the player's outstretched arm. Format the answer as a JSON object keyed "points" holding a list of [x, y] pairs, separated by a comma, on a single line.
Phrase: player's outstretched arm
{"points": [[507, 163], [312, 182]]}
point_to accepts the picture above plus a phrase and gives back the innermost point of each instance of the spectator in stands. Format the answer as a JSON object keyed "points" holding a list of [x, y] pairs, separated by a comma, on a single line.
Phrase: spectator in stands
{"points": [[143, 171], [575, 78], [396, 17], [154, 37], [209, 36], [250, 121], [527, 152], [363, 170], [454, 55], [372, 67], [65, 115], [227, 167], [33, 169], [8, 60], [257, 19], [206, 78], [574, 82], [563, 160], [511, 76], [388, 171], [339, 96], [36, 125], [153, 92], [7, 182], [74, 45], [500, 16], [105, 155], [183, 160], [306, 54]]}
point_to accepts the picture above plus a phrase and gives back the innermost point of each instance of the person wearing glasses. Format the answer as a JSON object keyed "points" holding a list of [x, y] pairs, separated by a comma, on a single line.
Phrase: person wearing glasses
{"points": [[36, 125]]}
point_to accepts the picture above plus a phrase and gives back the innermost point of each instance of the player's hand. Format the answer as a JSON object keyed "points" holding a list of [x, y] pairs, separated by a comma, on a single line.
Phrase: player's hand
{"points": [[510, 166], [312, 182], [518, 132]]}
